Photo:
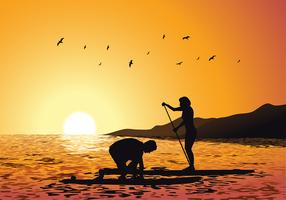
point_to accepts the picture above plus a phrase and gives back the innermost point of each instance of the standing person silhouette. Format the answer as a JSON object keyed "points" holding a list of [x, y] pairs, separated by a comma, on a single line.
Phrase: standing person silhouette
{"points": [[190, 129]]}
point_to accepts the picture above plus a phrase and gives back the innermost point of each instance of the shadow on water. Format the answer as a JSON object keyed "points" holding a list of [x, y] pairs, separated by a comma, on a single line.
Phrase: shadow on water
{"points": [[199, 185], [204, 185], [256, 142], [34, 169]]}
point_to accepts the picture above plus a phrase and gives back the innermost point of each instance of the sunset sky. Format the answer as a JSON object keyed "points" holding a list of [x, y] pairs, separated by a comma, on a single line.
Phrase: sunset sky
{"points": [[41, 83]]}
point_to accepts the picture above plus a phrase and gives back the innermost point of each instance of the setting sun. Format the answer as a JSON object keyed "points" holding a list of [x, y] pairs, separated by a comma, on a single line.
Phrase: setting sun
{"points": [[79, 123], [148, 99]]}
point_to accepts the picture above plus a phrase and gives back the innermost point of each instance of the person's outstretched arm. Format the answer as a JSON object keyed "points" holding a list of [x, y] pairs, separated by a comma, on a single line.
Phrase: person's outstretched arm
{"points": [[171, 107]]}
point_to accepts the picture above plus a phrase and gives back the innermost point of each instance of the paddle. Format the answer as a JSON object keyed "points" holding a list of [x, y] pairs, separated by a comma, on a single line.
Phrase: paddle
{"points": [[178, 137]]}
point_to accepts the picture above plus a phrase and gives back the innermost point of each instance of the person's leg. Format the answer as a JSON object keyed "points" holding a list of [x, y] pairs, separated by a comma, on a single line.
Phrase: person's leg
{"points": [[122, 170], [189, 141], [121, 166]]}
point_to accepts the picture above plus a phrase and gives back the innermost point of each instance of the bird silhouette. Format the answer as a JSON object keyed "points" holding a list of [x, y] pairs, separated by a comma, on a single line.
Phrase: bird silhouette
{"points": [[186, 37], [212, 58], [148, 52], [107, 47], [238, 61], [84, 47], [60, 41], [100, 64], [130, 63], [163, 36], [179, 63], [198, 58]]}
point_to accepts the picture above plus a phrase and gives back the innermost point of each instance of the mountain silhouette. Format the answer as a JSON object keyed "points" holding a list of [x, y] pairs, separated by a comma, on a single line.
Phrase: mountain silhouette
{"points": [[268, 121]]}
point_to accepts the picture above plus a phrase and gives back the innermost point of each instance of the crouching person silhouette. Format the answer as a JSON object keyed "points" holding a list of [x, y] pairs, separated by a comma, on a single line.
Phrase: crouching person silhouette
{"points": [[130, 149]]}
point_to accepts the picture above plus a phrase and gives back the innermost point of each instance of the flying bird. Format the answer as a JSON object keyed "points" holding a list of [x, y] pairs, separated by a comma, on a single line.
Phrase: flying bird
{"points": [[179, 63], [100, 64], [107, 47], [84, 47], [186, 37], [198, 58], [130, 63], [60, 41], [212, 58], [238, 61], [163, 36], [148, 52]]}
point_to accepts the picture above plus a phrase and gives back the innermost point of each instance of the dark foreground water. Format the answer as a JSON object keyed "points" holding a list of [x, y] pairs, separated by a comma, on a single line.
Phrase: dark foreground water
{"points": [[32, 165]]}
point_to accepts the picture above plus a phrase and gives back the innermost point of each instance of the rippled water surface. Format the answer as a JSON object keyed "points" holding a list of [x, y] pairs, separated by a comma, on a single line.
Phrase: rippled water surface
{"points": [[32, 165]]}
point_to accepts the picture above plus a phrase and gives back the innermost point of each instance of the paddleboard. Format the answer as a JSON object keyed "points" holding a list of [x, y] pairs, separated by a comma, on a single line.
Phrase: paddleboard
{"points": [[166, 172], [160, 181]]}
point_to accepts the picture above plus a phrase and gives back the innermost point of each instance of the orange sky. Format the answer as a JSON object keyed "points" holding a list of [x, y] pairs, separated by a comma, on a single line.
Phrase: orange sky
{"points": [[41, 84]]}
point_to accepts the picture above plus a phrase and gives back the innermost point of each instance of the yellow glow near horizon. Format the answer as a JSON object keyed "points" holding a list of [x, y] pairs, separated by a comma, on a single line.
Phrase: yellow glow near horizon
{"points": [[79, 123], [41, 83]]}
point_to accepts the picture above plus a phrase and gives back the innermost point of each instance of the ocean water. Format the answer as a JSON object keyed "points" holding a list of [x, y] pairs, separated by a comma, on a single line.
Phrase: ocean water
{"points": [[32, 165]]}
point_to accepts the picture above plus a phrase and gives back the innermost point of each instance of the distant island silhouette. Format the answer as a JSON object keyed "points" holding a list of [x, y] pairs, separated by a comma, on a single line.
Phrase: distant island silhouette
{"points": [[267, 121]]}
